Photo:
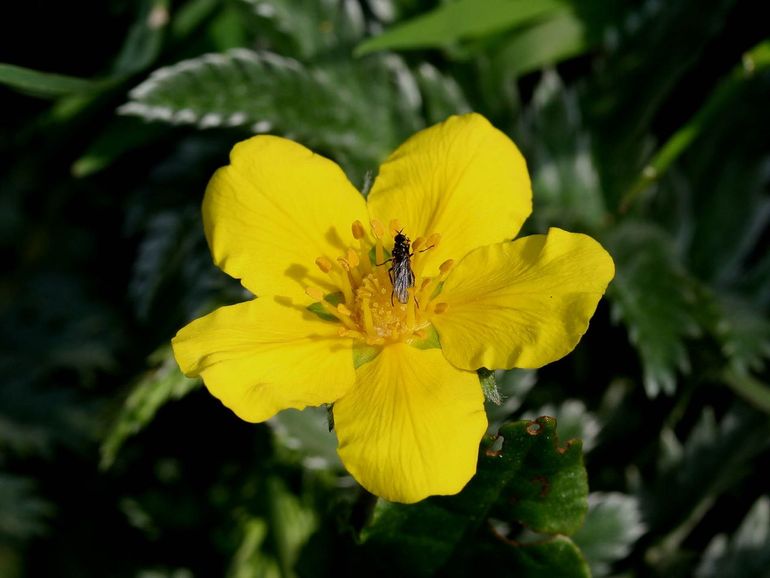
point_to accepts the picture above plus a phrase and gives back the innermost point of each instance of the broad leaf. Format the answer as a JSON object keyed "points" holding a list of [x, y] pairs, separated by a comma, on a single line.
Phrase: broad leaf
{"points": [[463, 19], [530, 480]]}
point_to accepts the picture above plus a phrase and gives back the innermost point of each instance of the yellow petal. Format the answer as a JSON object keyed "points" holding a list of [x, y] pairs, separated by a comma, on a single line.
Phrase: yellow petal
{"points": [[273, 210], [263, 356], [462, 178], [411, 426], [522, 304]]}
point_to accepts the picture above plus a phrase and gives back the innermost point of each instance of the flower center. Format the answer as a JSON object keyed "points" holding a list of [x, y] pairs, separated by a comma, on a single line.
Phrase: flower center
{"points": [[384, 299]]}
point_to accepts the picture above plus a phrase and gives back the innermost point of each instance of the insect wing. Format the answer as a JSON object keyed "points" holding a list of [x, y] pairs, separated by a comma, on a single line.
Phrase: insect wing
{"points": [[403, 279]]}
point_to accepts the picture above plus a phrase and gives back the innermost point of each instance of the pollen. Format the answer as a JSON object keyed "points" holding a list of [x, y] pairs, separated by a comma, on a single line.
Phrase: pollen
{"points": [[368, 307]]}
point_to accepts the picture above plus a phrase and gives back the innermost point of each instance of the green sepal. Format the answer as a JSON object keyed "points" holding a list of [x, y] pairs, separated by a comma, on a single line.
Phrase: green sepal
{"points": [[318, 308], [489, 385], [363, 353], [431, 341]]}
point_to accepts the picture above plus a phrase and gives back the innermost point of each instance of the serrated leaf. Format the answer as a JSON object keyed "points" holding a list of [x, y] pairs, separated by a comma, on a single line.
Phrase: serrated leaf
{"points": [[160, 385], [747, 553], [530, 480], [357, 108], [565, 180], [45, 84], [463, 19], [307, 434], [612, 526], [441, 93], [575, 421], [713, 457], [308, 28], [655, 299], [23, 514]]}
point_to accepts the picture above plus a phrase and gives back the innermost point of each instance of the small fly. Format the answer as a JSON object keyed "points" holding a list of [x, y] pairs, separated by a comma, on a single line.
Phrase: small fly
{"points": [[400, 272]]}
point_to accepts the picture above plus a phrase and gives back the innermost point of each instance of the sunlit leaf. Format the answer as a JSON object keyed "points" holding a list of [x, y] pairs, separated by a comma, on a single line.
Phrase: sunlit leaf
{"points": [[453, 21], [358, 110]]}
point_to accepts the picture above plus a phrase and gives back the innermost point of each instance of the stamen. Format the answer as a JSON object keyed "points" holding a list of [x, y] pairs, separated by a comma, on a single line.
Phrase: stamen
{"points": [[417, 244], [440, 307], [434, 240], [347, 290], [395, 226], [358, 230], [378, 230], [314, 293], [445, 267], [324, 264]]}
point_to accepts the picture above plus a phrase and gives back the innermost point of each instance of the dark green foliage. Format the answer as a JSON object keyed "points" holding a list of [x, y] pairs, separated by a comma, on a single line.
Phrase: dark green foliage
{"points": [[644, 124]]}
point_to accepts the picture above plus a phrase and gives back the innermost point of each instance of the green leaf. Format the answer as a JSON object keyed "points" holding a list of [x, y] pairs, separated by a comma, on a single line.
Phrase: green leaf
{"points": [[160, 385], [46, 84], [558, 556], [23, 514], [442, 95], [747, 553], [513, 386], [145, 38], [463, 19], [712, 458], [565, 179], [266, 92], [306, 433], [545, 43], [722, 97], [489, 385], [530, 480], [655, 298], [308, 28], [613, 524], [575, 421]]}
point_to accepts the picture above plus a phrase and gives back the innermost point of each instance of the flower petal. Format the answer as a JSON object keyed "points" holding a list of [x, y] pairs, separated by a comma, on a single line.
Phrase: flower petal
{"points": [[273, 210], [263, 356], [522, 304], [462, 178], [411, 425]]}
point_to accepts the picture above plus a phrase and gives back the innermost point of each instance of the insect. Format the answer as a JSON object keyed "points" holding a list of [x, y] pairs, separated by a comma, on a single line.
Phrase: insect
{"points": [[400, 272]]}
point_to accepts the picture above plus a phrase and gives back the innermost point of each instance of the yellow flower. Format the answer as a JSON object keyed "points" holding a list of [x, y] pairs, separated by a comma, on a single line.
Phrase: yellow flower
{"points": [[325, 327]]}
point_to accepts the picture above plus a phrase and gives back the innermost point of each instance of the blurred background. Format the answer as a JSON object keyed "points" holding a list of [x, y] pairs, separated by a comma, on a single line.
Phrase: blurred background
{"points": [[644, 123]]}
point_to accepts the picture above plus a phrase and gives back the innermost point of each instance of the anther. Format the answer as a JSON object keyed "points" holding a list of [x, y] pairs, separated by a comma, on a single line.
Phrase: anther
{"points": [[342, 308], [353, 258], [358, 230], [440, 308], [344, 262], [324, 264], [417, 243], [434, 240], [314, 293], [446, 266], [395, 226]]}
